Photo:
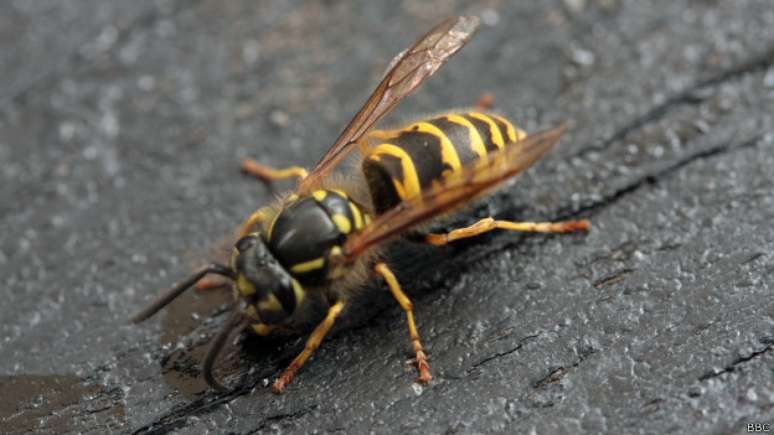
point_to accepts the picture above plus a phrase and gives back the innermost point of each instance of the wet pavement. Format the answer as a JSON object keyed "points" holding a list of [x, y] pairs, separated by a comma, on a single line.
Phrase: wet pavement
{"points": [[122, 127]]}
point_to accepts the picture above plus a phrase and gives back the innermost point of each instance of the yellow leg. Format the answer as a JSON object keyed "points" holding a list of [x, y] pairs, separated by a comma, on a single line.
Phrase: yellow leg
{"points": [[405, 303], [374, 136], [259, 216], [267, 173], [311, 345], [489, 224], [383, 134], [362, 145]]}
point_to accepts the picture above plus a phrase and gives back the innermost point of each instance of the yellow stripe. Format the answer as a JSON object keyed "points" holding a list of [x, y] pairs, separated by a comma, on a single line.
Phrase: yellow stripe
{"points": [[234, 256], [356, 215], [340, 192], [339, 270], [307, 266], [342, 223], [512, 135], [250, 311], [246, 288], [319, 195], [271, 225], [262, 329], [257, 217], [409, 187], [271, 303], [476, 143], [299, 292], [494, 132], [448, 152]]}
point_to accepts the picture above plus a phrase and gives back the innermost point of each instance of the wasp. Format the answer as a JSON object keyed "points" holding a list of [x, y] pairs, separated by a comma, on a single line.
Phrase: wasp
{"points": [[324, 240]]}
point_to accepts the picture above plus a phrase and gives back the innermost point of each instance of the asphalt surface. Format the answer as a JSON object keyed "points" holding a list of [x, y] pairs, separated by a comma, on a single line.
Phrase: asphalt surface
{"points": [[121, 129]]}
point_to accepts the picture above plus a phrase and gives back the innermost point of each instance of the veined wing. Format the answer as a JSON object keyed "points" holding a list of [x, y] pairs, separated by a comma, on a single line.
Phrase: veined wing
{"points": [[406, 72]]}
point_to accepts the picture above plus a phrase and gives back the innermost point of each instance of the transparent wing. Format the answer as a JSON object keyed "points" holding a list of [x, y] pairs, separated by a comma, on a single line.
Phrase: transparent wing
{"points": [[470, 182], [406, 72]]}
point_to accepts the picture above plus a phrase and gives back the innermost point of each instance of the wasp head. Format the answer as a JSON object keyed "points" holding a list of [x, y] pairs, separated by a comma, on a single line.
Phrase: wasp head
{"points": [[270, 292]]}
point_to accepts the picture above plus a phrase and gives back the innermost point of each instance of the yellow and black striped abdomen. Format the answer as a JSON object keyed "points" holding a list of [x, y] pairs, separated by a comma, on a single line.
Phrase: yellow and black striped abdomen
{"points": [[400, 164]]}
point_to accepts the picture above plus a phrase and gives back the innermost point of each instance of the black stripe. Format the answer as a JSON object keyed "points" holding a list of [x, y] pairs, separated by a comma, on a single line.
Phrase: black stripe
{"points": [[484, 131], [379, 175], [459, 136], [424, 149], [503, 127], [334, 203], [287, 298]]}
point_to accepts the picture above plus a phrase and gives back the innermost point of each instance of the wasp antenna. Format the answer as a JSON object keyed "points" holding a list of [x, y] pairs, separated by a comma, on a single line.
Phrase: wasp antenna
{"points": [[179, 288], [217, 345]]}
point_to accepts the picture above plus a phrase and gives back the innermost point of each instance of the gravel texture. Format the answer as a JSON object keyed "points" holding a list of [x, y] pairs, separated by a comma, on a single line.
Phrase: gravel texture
{"points": [[121, 129]]}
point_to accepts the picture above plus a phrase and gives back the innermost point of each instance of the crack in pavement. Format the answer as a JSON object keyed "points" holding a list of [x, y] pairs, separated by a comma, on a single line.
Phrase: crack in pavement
{"points": [[556, 374], [499, 355], [177, 417], [614, 278], [691, 96], [737, 362], [653, 176], [593, 207]]}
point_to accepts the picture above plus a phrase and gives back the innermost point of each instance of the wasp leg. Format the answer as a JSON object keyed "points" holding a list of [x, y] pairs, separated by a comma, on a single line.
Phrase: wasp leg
{"points": [[362, 145], [489, 224], [405, 303], [259, 217], [211, 282], [267, 174], [311, 345], [377, 136], [383, 134], [485, 101]]}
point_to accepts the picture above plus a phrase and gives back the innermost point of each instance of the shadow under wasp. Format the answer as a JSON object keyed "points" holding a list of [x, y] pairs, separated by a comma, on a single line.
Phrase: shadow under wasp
{"points": [[325, 238]]}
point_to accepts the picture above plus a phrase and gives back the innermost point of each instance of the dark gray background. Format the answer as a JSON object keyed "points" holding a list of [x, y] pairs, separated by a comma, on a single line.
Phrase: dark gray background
{"points": [[121, 128]]}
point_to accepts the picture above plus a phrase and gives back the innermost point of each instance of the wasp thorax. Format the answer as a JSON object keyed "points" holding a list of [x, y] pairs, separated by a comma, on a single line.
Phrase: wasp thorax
{"points": [[271, 294]]}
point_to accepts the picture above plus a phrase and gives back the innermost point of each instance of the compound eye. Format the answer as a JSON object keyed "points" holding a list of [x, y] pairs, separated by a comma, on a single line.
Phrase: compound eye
{"points": [[245, 243]]}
